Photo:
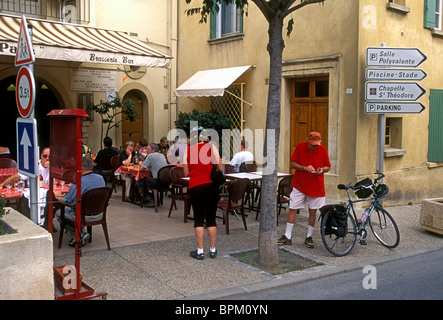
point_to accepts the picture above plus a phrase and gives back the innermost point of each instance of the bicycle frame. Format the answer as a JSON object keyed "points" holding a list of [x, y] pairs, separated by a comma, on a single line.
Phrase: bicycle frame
{"points": [[350, 206]]}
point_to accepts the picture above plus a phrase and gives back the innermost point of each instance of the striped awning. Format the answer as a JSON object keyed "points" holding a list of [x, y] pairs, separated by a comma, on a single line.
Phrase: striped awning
{"points": [[70, 42]]}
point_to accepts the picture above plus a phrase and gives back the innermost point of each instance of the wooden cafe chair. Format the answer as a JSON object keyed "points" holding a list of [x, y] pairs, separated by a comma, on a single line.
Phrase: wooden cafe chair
{"points": [[163, 185], [8, 163], [106, 170], [178, 187], [235, 201], [93, 202]]}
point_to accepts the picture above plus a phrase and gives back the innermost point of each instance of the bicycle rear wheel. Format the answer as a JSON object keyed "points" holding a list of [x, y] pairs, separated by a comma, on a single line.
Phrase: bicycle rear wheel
{"points": [[338, 246], [384, 228]]}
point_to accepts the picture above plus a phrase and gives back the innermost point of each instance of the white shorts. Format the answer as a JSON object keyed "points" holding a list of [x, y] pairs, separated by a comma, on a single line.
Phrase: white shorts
{"points": [[298, 200]]}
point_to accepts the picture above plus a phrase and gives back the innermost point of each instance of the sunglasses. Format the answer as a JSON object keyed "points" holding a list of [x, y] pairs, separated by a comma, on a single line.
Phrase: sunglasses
{"points": [[46, 156]]}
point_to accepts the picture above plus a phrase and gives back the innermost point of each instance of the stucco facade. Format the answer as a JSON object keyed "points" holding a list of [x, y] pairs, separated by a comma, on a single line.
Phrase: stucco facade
{"points": [[330, 40], [152, 22]]}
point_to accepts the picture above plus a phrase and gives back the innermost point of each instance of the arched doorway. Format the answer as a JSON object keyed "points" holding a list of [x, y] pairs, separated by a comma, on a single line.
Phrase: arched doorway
{"points": [[45, 101], [133, 131]]}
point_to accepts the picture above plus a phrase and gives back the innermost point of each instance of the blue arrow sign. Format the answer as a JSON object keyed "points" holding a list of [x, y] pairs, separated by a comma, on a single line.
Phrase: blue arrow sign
{"points": [[27, 148]]}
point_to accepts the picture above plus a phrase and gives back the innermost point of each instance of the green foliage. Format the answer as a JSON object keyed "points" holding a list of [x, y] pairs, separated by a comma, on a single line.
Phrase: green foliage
{"points": [[208, 120], [2, 207], [109, 110], [3, 227]]}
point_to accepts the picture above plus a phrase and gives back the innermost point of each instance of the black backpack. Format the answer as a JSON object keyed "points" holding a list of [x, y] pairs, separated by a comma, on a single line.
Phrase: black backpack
{"points": [[337, 222]]}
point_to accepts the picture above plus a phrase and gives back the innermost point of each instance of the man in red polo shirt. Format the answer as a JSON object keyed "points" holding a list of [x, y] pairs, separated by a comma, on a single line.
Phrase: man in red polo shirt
{"points": [[310, 161]]}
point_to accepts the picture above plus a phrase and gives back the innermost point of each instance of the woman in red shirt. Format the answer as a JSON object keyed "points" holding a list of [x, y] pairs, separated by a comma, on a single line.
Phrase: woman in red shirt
{"points": [[204, 194]]}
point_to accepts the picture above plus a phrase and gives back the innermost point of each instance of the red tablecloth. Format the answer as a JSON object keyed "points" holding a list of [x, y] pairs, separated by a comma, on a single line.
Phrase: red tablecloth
{"points": [[135, 171], [7, 172], [14, 194]]}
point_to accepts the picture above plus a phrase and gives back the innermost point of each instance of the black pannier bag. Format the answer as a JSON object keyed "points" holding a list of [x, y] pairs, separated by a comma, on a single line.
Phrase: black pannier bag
{"points": [[337, 222], [362, 189]]}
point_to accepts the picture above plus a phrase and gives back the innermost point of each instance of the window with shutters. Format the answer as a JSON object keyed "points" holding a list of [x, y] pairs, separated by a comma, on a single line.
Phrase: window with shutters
{"points": [[226, 21], [433, 14], [435, 145]]}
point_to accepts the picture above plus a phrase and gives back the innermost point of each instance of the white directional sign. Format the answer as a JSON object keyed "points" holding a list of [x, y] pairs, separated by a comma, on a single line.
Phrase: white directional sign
{"points": [[394, 57], [393, 91], [395, 74], [27, 148], [25, 53], [392, 107]]}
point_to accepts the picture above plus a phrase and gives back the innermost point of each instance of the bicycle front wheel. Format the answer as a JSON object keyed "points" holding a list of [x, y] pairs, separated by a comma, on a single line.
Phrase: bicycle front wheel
{"points": [[384, 228], [338, 246]]}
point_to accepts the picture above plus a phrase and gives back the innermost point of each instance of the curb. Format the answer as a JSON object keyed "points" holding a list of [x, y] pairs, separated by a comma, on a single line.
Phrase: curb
{"points": [[295, 277]]}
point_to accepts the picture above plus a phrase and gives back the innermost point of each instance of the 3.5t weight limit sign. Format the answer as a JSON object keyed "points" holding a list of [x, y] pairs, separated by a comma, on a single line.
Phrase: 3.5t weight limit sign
{"points": [[25, 91]]}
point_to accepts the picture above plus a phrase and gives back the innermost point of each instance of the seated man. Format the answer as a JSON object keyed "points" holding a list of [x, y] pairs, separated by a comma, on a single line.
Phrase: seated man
{"points": [[108, 149], [153, 161], [242, 156], [43, 167], [90, 181]]}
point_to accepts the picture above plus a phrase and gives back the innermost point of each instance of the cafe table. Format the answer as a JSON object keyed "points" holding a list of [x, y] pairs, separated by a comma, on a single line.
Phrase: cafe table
{"points": [[42, 191], [134, 171], [11, 194], [253, 176]]}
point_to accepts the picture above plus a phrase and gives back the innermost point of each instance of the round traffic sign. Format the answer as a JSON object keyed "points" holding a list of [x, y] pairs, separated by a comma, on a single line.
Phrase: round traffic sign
{"points": [[25, 91]]}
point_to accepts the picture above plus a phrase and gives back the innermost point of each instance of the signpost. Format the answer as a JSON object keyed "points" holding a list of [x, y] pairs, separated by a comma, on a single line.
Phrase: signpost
{"points": [[391, 107], [393, 91], [395, 74], [27, 148], [384, 93], [394, 57]]}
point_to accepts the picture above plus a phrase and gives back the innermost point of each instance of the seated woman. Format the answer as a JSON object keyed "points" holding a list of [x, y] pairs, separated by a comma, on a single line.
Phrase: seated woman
{"points": [[126, 159]]}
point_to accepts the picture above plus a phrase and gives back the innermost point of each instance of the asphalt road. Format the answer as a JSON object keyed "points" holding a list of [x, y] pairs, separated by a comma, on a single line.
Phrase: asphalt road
{"points": [[414, 278]]}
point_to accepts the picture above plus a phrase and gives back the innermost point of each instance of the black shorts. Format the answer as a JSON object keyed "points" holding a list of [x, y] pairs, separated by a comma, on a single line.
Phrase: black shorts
{"points": [[204, 199]]}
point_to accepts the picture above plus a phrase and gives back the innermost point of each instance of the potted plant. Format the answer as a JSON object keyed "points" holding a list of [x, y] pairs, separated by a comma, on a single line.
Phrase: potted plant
{"points": [[4, 227], [110, 109]]}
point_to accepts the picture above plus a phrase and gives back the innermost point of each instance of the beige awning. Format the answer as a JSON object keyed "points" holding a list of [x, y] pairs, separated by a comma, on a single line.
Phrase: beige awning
{"points": [[210, 83], [69, 42]]}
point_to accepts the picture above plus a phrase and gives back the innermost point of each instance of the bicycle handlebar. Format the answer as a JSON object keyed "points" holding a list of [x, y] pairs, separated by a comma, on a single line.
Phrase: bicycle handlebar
{"points": [[349, 186]]}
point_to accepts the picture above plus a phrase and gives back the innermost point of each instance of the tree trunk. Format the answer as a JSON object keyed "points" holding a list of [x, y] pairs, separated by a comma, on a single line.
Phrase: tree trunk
{"points": [[267, 243]]}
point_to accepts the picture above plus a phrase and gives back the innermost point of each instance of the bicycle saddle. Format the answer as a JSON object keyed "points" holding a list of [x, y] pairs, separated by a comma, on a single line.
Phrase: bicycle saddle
{"points": [[344, 187]]}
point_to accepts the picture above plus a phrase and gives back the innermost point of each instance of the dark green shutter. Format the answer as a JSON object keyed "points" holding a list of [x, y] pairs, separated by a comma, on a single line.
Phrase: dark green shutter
{"points": [[213, 24], [435, 144], [429, 19]]}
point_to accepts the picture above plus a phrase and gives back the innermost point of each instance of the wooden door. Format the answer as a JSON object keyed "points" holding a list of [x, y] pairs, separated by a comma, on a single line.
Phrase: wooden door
{"points": [[133, 131], [309, 109]]}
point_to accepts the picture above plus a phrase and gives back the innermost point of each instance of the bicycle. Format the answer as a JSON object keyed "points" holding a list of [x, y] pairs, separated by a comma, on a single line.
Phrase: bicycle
{"points": [[339, 224]]}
